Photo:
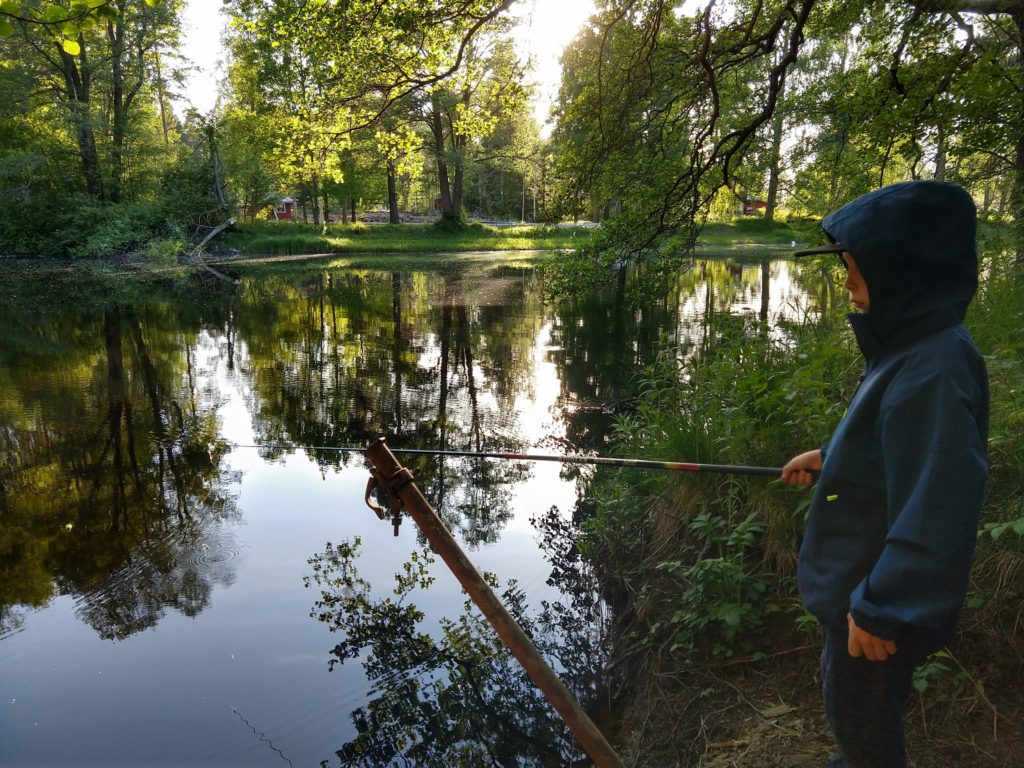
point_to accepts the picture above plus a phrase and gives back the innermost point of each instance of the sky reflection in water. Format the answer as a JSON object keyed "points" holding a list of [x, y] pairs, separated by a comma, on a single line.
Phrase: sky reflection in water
{"points": [[152, 599]]}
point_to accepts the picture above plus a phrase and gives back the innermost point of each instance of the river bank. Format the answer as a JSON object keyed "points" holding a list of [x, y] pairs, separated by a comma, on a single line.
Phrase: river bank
{"points": [[714, 656]]}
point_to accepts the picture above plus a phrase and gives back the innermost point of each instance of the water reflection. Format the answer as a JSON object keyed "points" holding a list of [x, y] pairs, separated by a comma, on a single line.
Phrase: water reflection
{"points": [[114, 476], [458, 698], [114, 480], [120, 490], [343, 357]]}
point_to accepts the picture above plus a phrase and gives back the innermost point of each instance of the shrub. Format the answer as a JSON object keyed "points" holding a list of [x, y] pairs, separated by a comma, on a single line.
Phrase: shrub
{"points": [[708, 559], [78, 226]]}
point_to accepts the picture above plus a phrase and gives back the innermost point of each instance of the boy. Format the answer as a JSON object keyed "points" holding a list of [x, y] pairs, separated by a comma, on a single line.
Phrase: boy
{"points": [[890, 536]]}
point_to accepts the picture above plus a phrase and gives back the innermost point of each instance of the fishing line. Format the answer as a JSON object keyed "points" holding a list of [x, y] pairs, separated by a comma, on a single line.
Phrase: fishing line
{"points": [[675, 466]]}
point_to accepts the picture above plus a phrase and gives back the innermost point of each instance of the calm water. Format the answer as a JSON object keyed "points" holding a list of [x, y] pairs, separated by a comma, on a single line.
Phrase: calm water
{"points": [[176, 549]]}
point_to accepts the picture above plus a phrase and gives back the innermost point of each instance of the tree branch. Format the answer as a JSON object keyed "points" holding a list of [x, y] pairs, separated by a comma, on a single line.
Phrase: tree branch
{"points": [[987, 7]]}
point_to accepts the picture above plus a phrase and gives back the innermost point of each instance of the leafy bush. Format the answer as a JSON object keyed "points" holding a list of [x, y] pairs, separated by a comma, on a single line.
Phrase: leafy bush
{"points": [[78, 226], [707, 559], [699, 563]]}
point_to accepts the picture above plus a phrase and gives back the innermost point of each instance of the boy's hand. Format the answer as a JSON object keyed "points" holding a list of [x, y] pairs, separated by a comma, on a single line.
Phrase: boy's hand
{"points": [[798, 469], [862, 643]]}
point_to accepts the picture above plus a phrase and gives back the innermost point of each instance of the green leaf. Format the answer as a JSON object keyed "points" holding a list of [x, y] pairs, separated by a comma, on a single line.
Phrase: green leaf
{"points": [[6, 28], [152, 3], [11, 7], [55, 13], [71, 48]]}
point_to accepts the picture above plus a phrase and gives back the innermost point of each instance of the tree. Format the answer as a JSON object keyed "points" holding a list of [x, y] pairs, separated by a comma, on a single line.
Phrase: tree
{"points": [[82, 51], [365, 60], [1010, 68], [467, 109], [134, 37], [659, 111]]}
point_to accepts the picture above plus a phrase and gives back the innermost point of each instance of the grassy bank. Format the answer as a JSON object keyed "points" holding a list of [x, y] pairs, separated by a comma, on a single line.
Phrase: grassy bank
{"points": [[278, 238], [711, 634], [287, 238], [755, 231]]}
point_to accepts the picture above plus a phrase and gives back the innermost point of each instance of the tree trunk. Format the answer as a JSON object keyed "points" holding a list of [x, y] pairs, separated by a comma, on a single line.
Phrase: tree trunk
{"points": [[457, 192], [393, 215], [315, 187], [940, 155], [327, 207], [124, 89], [161, 92], [119, 117], [77, 87], [216, 168], [775, 162], [522, 209], [437, 129]]}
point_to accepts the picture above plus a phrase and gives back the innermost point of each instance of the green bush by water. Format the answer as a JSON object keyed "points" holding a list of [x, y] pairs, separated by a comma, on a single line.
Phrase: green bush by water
{"points": [[711, 557], [701, 564], [80, 227]]}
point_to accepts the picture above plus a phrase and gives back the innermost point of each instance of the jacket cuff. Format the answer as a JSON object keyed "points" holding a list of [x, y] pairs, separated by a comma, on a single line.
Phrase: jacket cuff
{"points": [[886, 630]]}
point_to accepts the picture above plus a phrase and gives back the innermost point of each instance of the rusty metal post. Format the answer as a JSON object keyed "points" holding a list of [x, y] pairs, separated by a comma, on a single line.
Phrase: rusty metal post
{"points": [[442, 541]]}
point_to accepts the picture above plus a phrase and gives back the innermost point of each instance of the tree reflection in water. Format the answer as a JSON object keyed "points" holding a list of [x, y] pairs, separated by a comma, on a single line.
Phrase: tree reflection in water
{"points": [[432, 360], [113, 488], [458, 697]]}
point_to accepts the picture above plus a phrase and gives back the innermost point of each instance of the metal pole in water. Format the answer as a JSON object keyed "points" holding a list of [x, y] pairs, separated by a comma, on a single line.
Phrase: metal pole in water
{"points": [[399, 482]]}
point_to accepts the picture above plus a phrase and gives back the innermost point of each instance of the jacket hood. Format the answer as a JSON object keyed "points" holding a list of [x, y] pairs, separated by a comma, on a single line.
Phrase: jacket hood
{"points": [[915, 245]]}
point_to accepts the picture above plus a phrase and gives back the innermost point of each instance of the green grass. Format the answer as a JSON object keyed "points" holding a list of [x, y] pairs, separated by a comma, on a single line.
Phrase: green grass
{"points": [[751, 231], [289, 239], [278, 238]]}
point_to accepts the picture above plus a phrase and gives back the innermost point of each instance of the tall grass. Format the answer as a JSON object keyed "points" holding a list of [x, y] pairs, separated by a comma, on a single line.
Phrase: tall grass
{"points": [[996, 321]]}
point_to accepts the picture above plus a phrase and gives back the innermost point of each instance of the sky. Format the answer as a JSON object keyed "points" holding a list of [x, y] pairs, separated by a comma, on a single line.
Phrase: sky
{"points": [[544, 29]]}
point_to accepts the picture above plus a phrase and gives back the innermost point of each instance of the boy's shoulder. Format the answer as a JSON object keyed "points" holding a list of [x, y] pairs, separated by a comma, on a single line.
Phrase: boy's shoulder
{"points": [[949, 355]]}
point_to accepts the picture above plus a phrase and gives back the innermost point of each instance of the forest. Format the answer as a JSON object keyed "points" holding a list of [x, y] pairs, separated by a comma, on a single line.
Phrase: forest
{"points": [[667, 114], [410, 126]]}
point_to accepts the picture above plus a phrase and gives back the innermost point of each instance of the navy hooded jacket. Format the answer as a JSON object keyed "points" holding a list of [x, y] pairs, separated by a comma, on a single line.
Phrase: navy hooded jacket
{"points": [[893, 520]]}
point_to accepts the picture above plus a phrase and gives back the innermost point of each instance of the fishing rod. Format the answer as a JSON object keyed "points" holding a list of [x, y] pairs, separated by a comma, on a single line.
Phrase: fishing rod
{"points": [[401, 488], [675, 466]]}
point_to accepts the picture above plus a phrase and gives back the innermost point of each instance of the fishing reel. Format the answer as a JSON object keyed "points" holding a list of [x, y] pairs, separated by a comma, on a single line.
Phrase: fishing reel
{"points": [[390, 487]]}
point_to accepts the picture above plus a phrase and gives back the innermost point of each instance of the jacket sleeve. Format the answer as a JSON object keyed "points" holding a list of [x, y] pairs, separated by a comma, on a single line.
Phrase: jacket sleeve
{"points": [[934, 457]]}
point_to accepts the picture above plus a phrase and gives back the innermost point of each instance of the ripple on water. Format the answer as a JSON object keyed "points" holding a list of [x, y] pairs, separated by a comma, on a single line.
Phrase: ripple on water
{"points": [[176, 568]]}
